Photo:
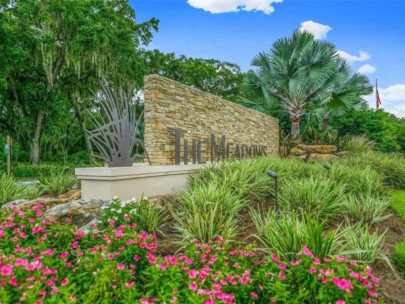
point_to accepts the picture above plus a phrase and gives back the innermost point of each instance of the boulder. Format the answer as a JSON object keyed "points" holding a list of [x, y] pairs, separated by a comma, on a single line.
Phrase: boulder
{"points": [[321, 157], [72, 194], [318, 149], [296, 151]]}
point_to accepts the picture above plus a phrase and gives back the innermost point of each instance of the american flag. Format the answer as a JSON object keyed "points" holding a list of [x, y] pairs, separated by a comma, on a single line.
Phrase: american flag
{"points": [[377, 96]]}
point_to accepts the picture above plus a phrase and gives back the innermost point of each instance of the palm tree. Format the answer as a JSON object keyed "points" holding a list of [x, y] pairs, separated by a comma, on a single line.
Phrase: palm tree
{"points": [[300, 70]]}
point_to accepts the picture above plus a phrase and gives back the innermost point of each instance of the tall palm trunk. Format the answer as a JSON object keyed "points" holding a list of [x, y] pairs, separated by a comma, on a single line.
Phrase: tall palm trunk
{"points": [[296, 129], [35, 146]]}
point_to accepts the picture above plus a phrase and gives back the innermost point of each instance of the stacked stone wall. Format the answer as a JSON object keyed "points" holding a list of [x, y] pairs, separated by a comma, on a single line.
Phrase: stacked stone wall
{"points": [[238, 131]]}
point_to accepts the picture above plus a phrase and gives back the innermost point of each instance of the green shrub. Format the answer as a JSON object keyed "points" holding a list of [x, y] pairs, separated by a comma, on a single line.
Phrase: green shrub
{"points": [[27, 170], [57, 183], [32, 192], [390, 166], [285, 234], [208, 211], [358, 180], [359, 144], [315, 196], [9, 190], [146, 215], [362, 245], [368, 209], [247, 177], [399, 256]]}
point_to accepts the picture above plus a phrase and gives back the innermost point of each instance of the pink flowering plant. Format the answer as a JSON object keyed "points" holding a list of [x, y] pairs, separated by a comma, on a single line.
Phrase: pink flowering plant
{"points": [[43, 261]]}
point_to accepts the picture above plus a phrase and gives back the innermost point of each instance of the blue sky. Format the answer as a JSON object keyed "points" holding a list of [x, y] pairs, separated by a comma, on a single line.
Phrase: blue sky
{"points": [[369, 33]]}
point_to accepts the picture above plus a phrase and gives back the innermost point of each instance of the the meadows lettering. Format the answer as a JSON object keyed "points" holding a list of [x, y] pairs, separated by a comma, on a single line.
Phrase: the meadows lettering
{"points": [[217, 151]]}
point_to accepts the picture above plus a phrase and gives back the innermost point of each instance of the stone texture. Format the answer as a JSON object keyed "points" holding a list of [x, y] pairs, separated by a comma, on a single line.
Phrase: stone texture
{"points": [[321, 157], [171, 104], [297, 152], [318, 149]]}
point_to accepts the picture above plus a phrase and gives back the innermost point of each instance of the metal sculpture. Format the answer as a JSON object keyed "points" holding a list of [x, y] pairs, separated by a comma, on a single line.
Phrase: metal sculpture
{"points": [[117, 127]]}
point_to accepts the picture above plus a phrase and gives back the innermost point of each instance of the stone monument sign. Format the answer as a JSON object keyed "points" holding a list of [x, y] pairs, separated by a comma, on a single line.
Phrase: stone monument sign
{"points": [[186, 126]]}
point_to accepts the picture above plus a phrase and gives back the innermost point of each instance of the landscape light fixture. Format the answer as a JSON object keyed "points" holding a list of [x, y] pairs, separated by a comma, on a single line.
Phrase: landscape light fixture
{"points": [[274, 176]]}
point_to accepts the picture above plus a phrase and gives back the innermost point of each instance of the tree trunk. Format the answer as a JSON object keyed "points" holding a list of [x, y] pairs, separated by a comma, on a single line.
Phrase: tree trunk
{"points": [[35, 147], [325, 124], [82, 125], [295, 130]]}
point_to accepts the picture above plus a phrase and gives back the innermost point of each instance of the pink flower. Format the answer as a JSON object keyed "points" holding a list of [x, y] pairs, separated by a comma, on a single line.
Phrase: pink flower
{"points": [[253, 295], [340, 301], [193, 286], [129, 284], [317, 261], [212, 259], [6, 270], [342, 283], [372, 293], [274, 258], [245, 280], [272, 300], [13, 281], [163, 266], [127, 217], [21, 262], [137, 258], [282, 266], [64, 281], [367, 301], [68, 220], [281, 275], [312, 270], [295, 263], [121, 266], [308, 252]]}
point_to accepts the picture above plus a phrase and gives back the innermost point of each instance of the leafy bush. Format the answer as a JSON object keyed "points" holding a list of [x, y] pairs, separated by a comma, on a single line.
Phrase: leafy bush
{"points": [[147, 216], [32, 192], [398, 203], [285, 234], [26, 170], [362, 245], [9, 190], [315, 196], [399, 256], [366, 208], [247, 177], [359, 144], [390, 166], [57, 183], [208, 211], [50, 262], [358, 180]]}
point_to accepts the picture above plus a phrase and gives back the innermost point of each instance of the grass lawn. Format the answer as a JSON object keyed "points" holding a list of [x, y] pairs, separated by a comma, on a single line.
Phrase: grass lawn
{"points": [[398, 203]]}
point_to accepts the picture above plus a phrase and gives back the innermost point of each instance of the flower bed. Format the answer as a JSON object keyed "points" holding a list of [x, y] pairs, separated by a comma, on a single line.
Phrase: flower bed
{"points": [[43, 261]]}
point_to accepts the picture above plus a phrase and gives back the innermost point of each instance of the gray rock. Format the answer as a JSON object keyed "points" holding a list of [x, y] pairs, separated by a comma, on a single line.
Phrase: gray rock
{"points": [[15, 203]]}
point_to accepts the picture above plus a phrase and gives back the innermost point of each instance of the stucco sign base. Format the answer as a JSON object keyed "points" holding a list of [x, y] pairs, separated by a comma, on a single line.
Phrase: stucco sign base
{"points": [[137, 181]]}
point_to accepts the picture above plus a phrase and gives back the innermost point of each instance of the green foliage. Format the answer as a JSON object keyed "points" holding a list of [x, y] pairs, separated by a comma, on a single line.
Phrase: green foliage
{"points": [[27, 171], [284, 234], [359, 144], [398, 203], [247, 177], [390, 166], [57, 183], [314, 196], [205, 212], [380, 127], [9, 190], [357, 178], [367, 208], [146, 215], [363, 245], [301, 73], [399, 256]]}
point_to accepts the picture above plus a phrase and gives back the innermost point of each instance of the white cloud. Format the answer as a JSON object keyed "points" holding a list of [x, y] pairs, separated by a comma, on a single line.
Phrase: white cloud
{"points": [[363, 56], [227, 6], [367, 69], [395, 92], [392, 98], [318, 30]]}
